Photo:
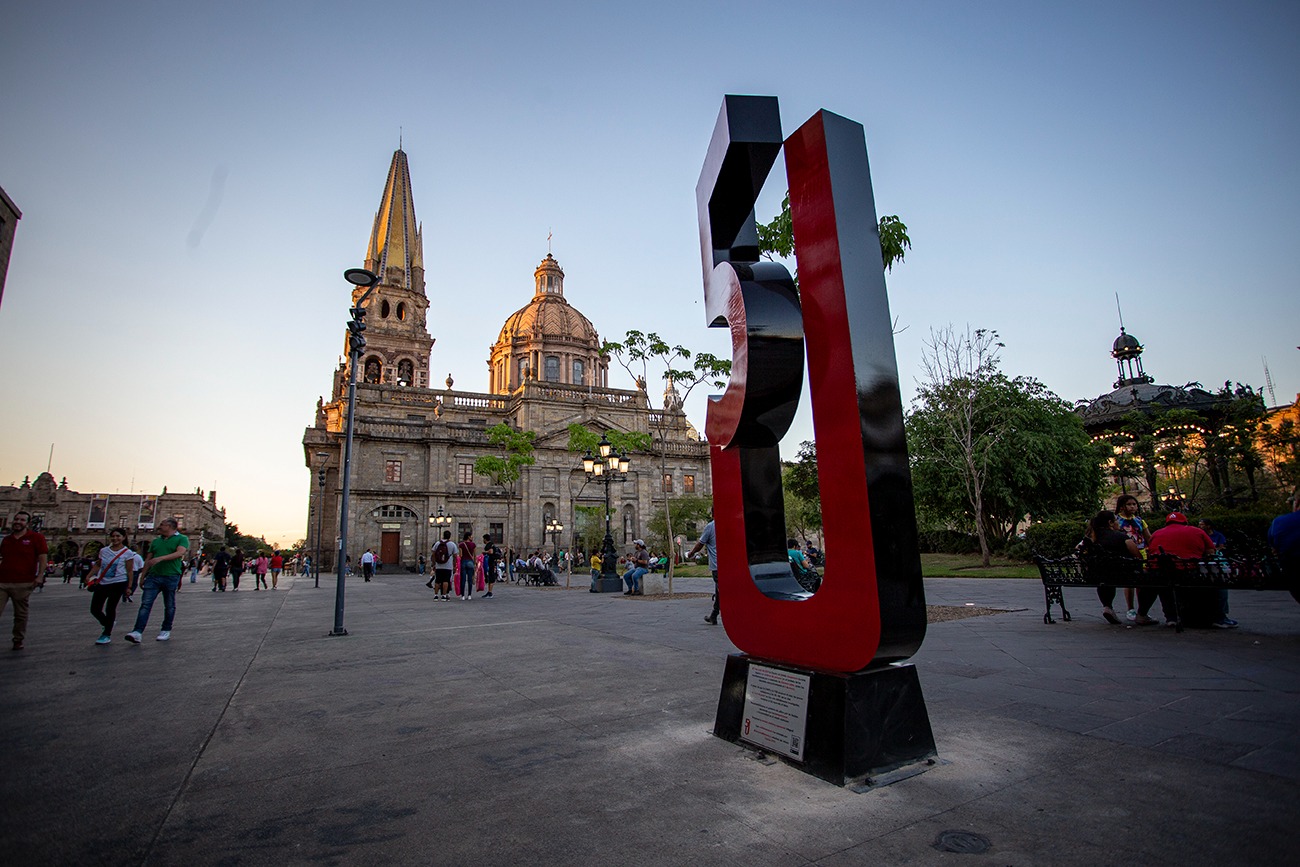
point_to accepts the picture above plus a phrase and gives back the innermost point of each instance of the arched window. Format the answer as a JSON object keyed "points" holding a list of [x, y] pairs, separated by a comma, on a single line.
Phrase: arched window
{"points": [[372, 370], [579, 372], [401, 311], [552, 368], [384, 309], [405, 372]]}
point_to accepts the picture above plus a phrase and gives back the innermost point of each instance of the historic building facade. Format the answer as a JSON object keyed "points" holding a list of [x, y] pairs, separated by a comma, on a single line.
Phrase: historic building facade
{"points": [[77, 524], [414, 445]]}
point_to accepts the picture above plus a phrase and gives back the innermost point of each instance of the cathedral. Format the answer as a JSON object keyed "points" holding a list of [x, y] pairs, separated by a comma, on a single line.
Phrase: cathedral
{"points": [[414, 444]]}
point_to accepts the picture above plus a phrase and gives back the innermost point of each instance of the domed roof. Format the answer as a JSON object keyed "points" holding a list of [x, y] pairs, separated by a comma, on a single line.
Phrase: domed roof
{"points": [[549, 315], [1126, 345], [1143, 397]]}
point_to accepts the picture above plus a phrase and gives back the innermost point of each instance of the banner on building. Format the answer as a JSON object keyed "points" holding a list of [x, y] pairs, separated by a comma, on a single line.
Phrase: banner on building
{"points": [[98, 512], [148, 511]]}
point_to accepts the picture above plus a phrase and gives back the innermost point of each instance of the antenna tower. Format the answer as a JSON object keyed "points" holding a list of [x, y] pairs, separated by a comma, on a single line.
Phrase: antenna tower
{"points": [[1268, 383]]}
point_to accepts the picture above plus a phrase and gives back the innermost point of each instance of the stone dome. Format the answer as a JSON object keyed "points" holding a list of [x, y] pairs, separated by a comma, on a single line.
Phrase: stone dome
{"points": [[548, 317], [549, 314], [547, 339]]}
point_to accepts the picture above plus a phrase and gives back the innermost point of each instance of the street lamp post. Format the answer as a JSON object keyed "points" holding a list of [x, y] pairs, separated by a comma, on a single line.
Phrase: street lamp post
{"points": [[356, 344], [553, 529], [608, 466], [320, 512]]}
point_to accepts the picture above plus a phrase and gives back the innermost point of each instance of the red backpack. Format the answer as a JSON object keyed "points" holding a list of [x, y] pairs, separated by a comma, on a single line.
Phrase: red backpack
{"points": [[442, 552]]}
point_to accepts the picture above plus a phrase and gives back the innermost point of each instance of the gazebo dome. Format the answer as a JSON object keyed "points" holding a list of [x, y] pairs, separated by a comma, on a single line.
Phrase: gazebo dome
{"points": [[1126, 345]]}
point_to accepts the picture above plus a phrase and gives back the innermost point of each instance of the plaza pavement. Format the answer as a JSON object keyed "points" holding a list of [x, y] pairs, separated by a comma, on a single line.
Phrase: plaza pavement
{"points": [[549, 727]]}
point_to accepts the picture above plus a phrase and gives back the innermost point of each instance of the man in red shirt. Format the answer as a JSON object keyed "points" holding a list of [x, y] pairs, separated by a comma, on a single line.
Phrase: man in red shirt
{"points": [[23, 554], [1179, 539]]}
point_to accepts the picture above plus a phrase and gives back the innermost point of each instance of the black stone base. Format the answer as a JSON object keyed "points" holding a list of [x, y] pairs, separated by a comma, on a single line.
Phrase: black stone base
{"points": [[860, 725], [609, 585]]}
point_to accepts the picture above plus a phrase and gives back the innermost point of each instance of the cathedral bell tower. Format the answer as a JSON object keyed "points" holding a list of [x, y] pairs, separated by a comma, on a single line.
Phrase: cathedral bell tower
{"points": [[397, 336]]}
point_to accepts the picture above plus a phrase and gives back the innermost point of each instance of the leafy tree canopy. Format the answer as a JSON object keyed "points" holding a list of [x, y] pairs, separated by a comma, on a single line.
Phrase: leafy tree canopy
{"points": [[583, 439], [516, 452], [689, 512], [777, 237], [1041, 463]]}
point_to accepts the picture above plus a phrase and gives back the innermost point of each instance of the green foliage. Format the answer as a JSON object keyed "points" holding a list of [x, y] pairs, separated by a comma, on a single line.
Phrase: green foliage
{"points": [[589, 525], [583, 440], [1055, 539], [689, 514], [247, 544], [1281, 450], [803, 505], [516, 452], [941, 540], [777, 237], [1247, 532], [1027, 445], [677, 365]]}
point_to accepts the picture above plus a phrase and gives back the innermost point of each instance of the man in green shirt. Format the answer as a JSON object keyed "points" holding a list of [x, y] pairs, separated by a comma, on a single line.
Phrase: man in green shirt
{"points": [[161, 573]]}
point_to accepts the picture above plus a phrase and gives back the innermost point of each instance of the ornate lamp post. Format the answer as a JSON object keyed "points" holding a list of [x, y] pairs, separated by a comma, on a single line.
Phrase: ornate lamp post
{"points": [[356, 345], [607, 467], [320, 511], [553, 529]]}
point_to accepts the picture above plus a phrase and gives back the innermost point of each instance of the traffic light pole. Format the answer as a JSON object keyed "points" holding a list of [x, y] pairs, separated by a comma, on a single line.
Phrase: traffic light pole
{"points": [[356, 344]]}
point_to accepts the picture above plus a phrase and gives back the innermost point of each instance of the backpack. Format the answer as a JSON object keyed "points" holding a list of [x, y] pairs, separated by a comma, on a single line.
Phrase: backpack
{"points": [[441, 552]]}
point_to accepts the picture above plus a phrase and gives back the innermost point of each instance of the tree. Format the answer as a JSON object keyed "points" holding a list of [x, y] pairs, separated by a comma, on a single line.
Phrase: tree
{"points": [[515, 449], [803, 505], [681, 370], [777, 237], [986, 450], [689, 513], [583, 440]]}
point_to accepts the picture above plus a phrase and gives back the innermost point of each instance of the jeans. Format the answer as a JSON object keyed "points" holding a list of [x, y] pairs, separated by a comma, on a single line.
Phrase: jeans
{"points": [[153, 585], [466, 577], [632, 578]]}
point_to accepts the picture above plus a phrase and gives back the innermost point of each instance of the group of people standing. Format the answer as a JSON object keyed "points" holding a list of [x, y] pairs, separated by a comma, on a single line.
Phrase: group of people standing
{"points": [[232, 564], [463, 564]]}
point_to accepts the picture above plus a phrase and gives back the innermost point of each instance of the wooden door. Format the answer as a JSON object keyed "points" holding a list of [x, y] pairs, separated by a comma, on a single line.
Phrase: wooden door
{"points": [[389, 542]]}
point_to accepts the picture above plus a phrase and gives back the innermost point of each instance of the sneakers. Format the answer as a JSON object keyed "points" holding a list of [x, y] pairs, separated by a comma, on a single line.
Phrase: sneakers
{"points": [[133, 637], [1132, 614], [1225, 623], [1141, 620], [487, 595], [711, 620], [1110, 616], [165, 635], [104, 639]]}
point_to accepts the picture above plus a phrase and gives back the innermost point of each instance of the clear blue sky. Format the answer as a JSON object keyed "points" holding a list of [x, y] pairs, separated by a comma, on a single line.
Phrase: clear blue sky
{"points": [[1044, 156]]}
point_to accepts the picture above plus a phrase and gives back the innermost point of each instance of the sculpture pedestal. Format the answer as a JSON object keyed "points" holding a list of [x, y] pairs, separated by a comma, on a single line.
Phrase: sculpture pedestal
{"points": [[609, 584], [858, 726]]}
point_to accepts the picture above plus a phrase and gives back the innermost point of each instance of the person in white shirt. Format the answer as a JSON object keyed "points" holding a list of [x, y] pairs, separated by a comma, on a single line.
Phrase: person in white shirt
{"points": [[368, 564], [111, 579]]}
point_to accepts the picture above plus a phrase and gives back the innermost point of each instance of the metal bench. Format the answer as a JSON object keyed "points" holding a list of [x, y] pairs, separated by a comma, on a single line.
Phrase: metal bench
{"points": [[1161, 572]]}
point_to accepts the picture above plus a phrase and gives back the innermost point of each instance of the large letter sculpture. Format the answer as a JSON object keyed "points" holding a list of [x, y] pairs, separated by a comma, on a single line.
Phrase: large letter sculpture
{"points": [[836, 652]]}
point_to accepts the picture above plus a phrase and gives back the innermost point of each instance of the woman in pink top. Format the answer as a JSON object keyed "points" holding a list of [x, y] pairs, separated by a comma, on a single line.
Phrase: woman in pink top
{"points": [[261, 566]]}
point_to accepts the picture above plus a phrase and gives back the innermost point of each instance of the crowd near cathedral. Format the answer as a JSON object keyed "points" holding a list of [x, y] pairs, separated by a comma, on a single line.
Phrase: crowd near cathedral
{"points": [[415, 441]]}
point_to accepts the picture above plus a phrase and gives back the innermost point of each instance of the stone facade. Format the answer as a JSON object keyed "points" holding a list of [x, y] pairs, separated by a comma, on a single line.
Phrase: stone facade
{"points": [[414, 446], [62, 515]]}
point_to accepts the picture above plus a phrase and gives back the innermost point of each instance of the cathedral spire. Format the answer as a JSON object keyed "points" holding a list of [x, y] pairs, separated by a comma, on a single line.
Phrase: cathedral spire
{"points": [[396, 251]]}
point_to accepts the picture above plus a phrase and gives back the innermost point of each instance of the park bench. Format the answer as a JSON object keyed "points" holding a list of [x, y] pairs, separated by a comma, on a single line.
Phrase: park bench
{"points": [[1161, 572], [536, 577]]}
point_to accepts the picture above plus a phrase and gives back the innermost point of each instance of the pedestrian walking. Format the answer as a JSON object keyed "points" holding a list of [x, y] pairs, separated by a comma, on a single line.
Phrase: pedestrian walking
{"points": [[236, 567], [23, 555], [260, 567], [708, 541], [162, 574], [110, 580], [491, 557], [277, 566], [220, 569], [368, 564]]}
